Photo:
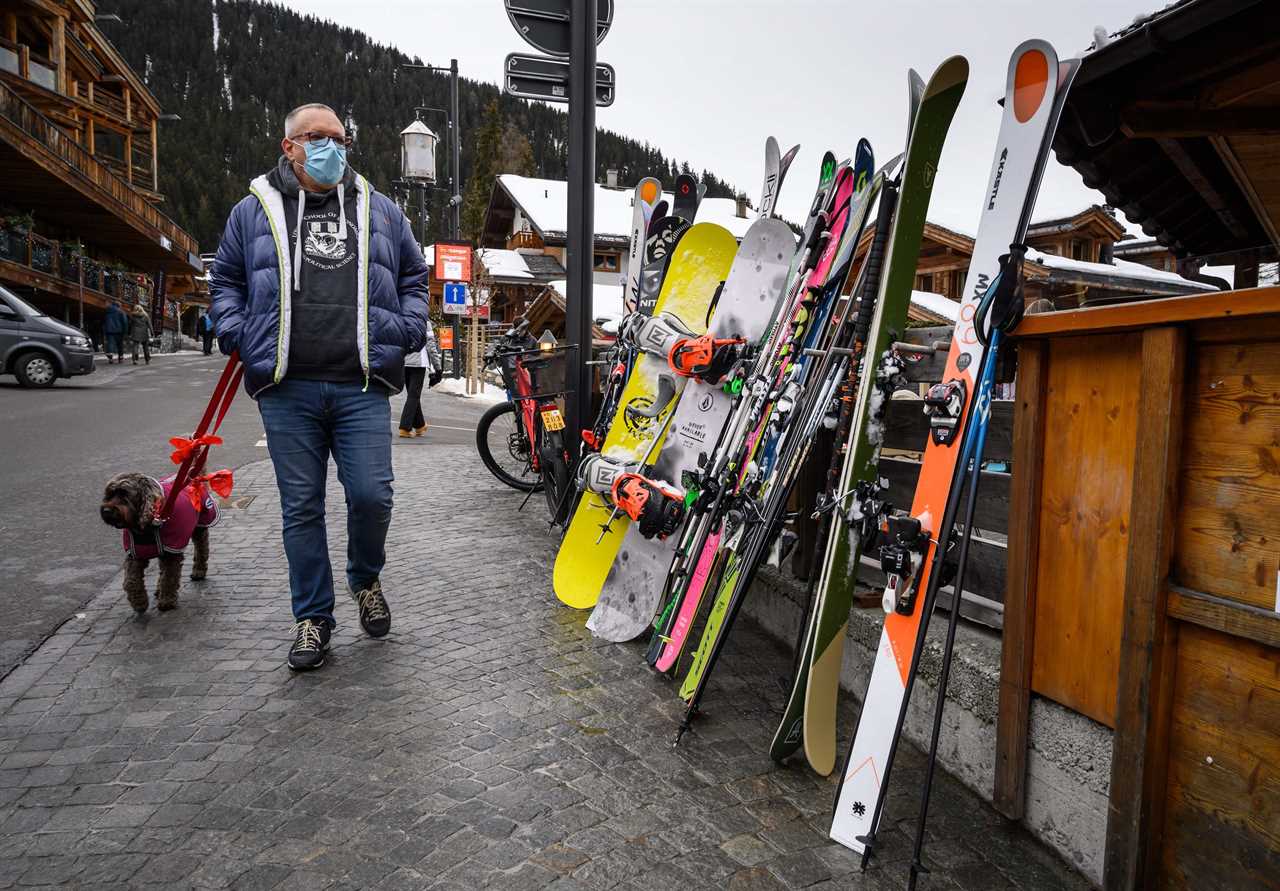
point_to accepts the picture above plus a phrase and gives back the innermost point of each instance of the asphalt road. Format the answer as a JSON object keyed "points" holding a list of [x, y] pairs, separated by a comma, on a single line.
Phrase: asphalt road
{"points": [[58, 447]]}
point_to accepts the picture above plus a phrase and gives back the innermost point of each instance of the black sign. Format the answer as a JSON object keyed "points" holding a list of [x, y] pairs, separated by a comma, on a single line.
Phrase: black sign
{"points": [[541, 77], [158, 295], [544, 24]]}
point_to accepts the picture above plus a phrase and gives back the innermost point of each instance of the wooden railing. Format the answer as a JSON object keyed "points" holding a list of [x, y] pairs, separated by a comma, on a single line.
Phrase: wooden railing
{"points": [[39, 128], [63, 259]]}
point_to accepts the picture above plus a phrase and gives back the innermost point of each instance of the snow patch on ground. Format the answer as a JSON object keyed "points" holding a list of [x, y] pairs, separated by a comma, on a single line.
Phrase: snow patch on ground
{"points": [[458, 387]]}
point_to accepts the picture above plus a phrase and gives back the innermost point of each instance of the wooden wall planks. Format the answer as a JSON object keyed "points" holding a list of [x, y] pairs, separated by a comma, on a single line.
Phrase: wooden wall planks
{"points": [[1090, 434], [1229, 525], [1222, 812]]}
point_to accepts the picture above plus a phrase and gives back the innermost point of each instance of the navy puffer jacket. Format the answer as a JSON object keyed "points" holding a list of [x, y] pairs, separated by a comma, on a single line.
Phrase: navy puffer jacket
{"points": [[252, 281]]}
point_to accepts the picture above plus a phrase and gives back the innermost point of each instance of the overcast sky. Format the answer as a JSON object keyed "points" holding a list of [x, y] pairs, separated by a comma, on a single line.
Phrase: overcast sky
{"points": [[707, 80]]}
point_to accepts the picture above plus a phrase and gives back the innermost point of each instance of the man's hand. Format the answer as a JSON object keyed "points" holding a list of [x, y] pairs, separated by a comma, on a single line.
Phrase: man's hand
{"points": [[434, 378]]}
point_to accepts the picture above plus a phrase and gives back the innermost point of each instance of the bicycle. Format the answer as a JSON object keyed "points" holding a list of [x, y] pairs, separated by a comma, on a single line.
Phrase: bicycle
{"points": [[522, 441]]}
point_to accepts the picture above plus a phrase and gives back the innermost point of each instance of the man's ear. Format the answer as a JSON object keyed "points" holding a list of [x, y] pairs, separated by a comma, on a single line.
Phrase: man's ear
{"points": [[284, 147]]}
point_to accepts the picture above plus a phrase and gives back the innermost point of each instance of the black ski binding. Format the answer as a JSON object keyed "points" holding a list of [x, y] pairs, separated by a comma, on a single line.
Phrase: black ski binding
{"points": [[943, 405], [899, 559]]}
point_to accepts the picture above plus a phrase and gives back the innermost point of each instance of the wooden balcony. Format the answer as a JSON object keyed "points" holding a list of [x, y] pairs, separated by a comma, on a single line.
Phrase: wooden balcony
{"points": [[44, 168], [56, 267]]}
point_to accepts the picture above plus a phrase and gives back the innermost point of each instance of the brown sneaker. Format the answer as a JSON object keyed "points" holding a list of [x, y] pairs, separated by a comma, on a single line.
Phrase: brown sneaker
{"points": [[420, 431], [405, 434]]}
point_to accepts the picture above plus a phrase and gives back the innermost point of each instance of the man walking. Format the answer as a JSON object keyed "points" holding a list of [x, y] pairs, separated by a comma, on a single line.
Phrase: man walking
{"points": [[321, 286], [114, 327], [205, 327], [140, 333]]}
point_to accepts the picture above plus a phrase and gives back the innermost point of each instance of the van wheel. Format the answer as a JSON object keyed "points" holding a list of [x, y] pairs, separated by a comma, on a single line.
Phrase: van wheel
{"points": [[35, 370]]}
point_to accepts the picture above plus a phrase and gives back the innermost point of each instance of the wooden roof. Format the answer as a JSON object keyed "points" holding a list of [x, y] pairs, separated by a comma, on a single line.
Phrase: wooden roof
{"points": [[1175, 120]]}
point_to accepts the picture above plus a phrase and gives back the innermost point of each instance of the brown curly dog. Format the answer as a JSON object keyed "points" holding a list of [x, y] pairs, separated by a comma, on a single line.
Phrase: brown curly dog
{"points": [[130, 503]]}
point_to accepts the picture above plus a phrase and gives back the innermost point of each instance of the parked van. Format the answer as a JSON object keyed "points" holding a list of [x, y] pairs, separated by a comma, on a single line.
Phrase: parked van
{"points": [[36, 348]]}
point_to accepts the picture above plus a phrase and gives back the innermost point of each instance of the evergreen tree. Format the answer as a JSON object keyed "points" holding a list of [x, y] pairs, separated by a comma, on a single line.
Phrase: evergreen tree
{"points": [[485, 164]]}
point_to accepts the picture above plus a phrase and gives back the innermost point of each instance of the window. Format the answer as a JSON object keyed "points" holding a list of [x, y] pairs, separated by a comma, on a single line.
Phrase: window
{"points": [[1080, 250], [924, 282], [606, 262]]}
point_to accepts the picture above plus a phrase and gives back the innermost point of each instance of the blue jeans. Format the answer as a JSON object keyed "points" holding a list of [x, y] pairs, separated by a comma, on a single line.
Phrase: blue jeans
{"points": [[305, 422]]}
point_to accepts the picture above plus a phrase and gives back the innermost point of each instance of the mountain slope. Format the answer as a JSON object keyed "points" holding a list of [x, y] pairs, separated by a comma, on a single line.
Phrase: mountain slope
{"points": [[232, 70]]}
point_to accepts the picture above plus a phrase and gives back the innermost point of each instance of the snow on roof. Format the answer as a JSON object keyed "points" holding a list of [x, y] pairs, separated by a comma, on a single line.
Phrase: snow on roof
{"points": [[936, 304], [429, 254], [546, 203], [1121, 269], [504, 264], [606, 300]]}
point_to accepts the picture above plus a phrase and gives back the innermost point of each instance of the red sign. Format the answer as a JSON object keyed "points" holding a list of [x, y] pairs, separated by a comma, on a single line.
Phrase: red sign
{"points": [[445, 336], [478, 311], [453, 261]]}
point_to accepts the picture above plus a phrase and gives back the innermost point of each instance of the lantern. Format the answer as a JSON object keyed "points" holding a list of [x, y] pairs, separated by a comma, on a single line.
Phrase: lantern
{"points": [[418, 153]]}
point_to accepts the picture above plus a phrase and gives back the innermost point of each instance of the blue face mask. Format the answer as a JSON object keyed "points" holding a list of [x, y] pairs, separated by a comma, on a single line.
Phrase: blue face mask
{"points": [[325, 163]]}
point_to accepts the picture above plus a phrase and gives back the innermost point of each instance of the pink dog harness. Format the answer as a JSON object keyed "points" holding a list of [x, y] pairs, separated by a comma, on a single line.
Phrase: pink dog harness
{"points": [[173, 536]]}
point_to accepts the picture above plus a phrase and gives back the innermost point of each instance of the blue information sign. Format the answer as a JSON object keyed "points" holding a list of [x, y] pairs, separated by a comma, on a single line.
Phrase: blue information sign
{"points": [[455, 298]]}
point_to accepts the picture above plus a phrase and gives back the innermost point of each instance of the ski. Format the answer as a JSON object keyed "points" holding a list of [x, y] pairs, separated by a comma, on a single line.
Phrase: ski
{"points": [[785, 384], [928, 133], [688, 572], [917, 542], [687, 198], [647, 194]]}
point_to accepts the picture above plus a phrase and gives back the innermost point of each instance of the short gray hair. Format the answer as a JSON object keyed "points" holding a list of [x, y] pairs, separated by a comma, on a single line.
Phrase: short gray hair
{"points": [[293, 115]]}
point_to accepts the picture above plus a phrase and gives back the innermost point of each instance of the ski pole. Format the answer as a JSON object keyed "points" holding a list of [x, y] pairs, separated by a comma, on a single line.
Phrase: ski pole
{"points": [[974, 471]]}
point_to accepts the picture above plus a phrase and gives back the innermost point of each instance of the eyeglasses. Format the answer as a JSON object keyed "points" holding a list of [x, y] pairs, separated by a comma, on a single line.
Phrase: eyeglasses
{"points": [[321, 140]]}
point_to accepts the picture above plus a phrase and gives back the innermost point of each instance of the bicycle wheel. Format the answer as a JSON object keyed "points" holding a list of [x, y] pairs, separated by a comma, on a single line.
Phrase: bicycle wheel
{"points": [[555, 476], [505, 448]]}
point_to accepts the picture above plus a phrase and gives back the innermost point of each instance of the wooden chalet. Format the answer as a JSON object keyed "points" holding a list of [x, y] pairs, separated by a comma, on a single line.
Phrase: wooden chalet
{"points": [[80, 222], [1073, 261]]}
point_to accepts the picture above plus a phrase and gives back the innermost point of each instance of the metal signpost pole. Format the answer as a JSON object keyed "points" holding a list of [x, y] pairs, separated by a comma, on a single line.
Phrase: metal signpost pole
{"points": [[455, 188], [582, 174]]}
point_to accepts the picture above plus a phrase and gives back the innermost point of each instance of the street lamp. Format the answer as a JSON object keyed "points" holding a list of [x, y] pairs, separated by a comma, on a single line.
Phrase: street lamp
{"points": [[418, 152], [455, 177]]}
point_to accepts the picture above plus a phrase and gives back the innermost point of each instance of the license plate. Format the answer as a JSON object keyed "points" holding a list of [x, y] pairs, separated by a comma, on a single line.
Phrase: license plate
{"points": [[552, 419]]}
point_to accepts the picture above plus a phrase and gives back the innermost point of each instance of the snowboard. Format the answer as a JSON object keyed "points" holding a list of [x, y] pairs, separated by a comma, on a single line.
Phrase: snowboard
{"points": [[1030, 111], [663, 236], [698, 265], [747, 302]]}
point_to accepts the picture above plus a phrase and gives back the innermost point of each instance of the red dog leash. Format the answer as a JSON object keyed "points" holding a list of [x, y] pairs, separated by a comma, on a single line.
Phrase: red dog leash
{"points": [[190, 453]]}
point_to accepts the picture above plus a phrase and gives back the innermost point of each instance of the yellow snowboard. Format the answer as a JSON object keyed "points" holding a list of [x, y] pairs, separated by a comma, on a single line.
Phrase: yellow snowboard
{"points": [[699, 263]]}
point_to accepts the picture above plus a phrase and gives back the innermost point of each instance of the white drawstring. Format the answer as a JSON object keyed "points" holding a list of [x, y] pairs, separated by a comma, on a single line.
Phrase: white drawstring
{"points": [[297, 248], [342, 214]]}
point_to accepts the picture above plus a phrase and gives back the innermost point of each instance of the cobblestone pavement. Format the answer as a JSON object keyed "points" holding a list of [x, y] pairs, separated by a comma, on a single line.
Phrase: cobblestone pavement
{"points": [[488, 742]]}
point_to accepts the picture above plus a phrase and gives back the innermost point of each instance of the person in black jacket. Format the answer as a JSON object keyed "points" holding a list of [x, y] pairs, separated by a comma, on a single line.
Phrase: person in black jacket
{"points": [[114, 328], [205, 327]]}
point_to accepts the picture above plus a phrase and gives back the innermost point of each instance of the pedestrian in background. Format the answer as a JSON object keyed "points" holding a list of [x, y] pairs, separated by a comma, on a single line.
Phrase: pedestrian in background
{"points": [[418, 368], [205, 328], [114, 328], [140, 333], [322, 358]]}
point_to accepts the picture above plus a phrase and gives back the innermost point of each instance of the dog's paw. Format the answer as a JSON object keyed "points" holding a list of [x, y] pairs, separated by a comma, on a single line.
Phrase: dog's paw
{"points": [[198, 575], [165, 605]]}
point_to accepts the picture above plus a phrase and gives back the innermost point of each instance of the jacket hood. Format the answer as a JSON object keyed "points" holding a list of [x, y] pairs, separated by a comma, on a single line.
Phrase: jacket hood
{"points": [[286, 181]]}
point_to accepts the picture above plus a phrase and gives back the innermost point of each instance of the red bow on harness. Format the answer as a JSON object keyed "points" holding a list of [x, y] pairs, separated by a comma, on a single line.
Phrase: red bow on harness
{"points": [[189, 453], [184, 447], [220, 481]]}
